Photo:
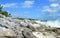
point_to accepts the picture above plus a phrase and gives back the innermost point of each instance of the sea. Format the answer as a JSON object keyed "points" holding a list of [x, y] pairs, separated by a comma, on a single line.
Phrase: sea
{"points": [[52, 23]]}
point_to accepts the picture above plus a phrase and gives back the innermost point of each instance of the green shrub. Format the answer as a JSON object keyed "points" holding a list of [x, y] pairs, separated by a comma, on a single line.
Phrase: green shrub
{"points": [[5, 13]]}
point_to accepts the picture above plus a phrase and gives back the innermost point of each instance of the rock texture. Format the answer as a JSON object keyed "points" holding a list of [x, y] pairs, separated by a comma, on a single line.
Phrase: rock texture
{"points": [[14, 28]]}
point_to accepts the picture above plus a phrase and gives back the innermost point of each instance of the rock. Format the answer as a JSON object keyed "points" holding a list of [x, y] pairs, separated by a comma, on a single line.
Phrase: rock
{"points": [[27, 33], [43, 35], [14, 28], [7, 37], [7, 32], [23, 24], [3, 37], [2, 16], [33, 27]]}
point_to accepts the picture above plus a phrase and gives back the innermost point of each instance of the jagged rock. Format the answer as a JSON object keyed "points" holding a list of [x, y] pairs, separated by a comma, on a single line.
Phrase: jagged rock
{"points": [[7, 32], [23, 24], [7, 37], [2, 37], [44, 35], [14, 28], [33, 27], [27, 33], [2, 16]]}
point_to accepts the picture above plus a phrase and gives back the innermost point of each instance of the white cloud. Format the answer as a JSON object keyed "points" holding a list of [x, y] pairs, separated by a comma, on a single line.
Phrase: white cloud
{"points": [[52, 8], [27, 4], [9, 5], [55, 5]]}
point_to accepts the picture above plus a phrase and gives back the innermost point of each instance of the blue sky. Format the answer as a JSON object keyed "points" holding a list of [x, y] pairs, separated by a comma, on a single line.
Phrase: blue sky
{"points": [[36, 9]]}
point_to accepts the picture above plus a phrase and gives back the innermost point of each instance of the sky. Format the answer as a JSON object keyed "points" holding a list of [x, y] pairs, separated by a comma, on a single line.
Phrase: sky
{"points": [[35, 9]]}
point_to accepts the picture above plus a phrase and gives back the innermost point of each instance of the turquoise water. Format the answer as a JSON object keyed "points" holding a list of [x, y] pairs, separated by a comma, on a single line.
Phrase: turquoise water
{"points": [[54, 23]]}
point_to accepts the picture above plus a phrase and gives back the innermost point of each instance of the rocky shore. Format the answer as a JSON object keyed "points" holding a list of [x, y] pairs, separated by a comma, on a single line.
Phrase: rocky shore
{"points": [[15, 28]]}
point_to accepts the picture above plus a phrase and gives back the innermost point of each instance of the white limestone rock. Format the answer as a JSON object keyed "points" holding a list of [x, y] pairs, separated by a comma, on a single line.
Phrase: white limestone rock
{"points": [[6, 32], [41, 35]]}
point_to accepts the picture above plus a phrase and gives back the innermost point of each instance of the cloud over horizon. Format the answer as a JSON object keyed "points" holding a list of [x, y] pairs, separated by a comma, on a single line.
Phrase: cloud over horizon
{"points": [[53, 9]]}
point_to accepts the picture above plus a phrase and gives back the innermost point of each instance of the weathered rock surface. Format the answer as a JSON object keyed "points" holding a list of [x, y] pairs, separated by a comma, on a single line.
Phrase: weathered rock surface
{"points": [[28, 33], [14, 28], [4, 33], [44, 35]]}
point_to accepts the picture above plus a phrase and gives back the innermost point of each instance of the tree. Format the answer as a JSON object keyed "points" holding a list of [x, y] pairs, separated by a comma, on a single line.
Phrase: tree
{"points": [[1, 8], [4, 12]]}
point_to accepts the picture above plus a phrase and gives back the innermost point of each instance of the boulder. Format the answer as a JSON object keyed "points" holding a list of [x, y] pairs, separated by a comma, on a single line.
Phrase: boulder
{"points": [[27, 33], [44, 35], [7, 32]]}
